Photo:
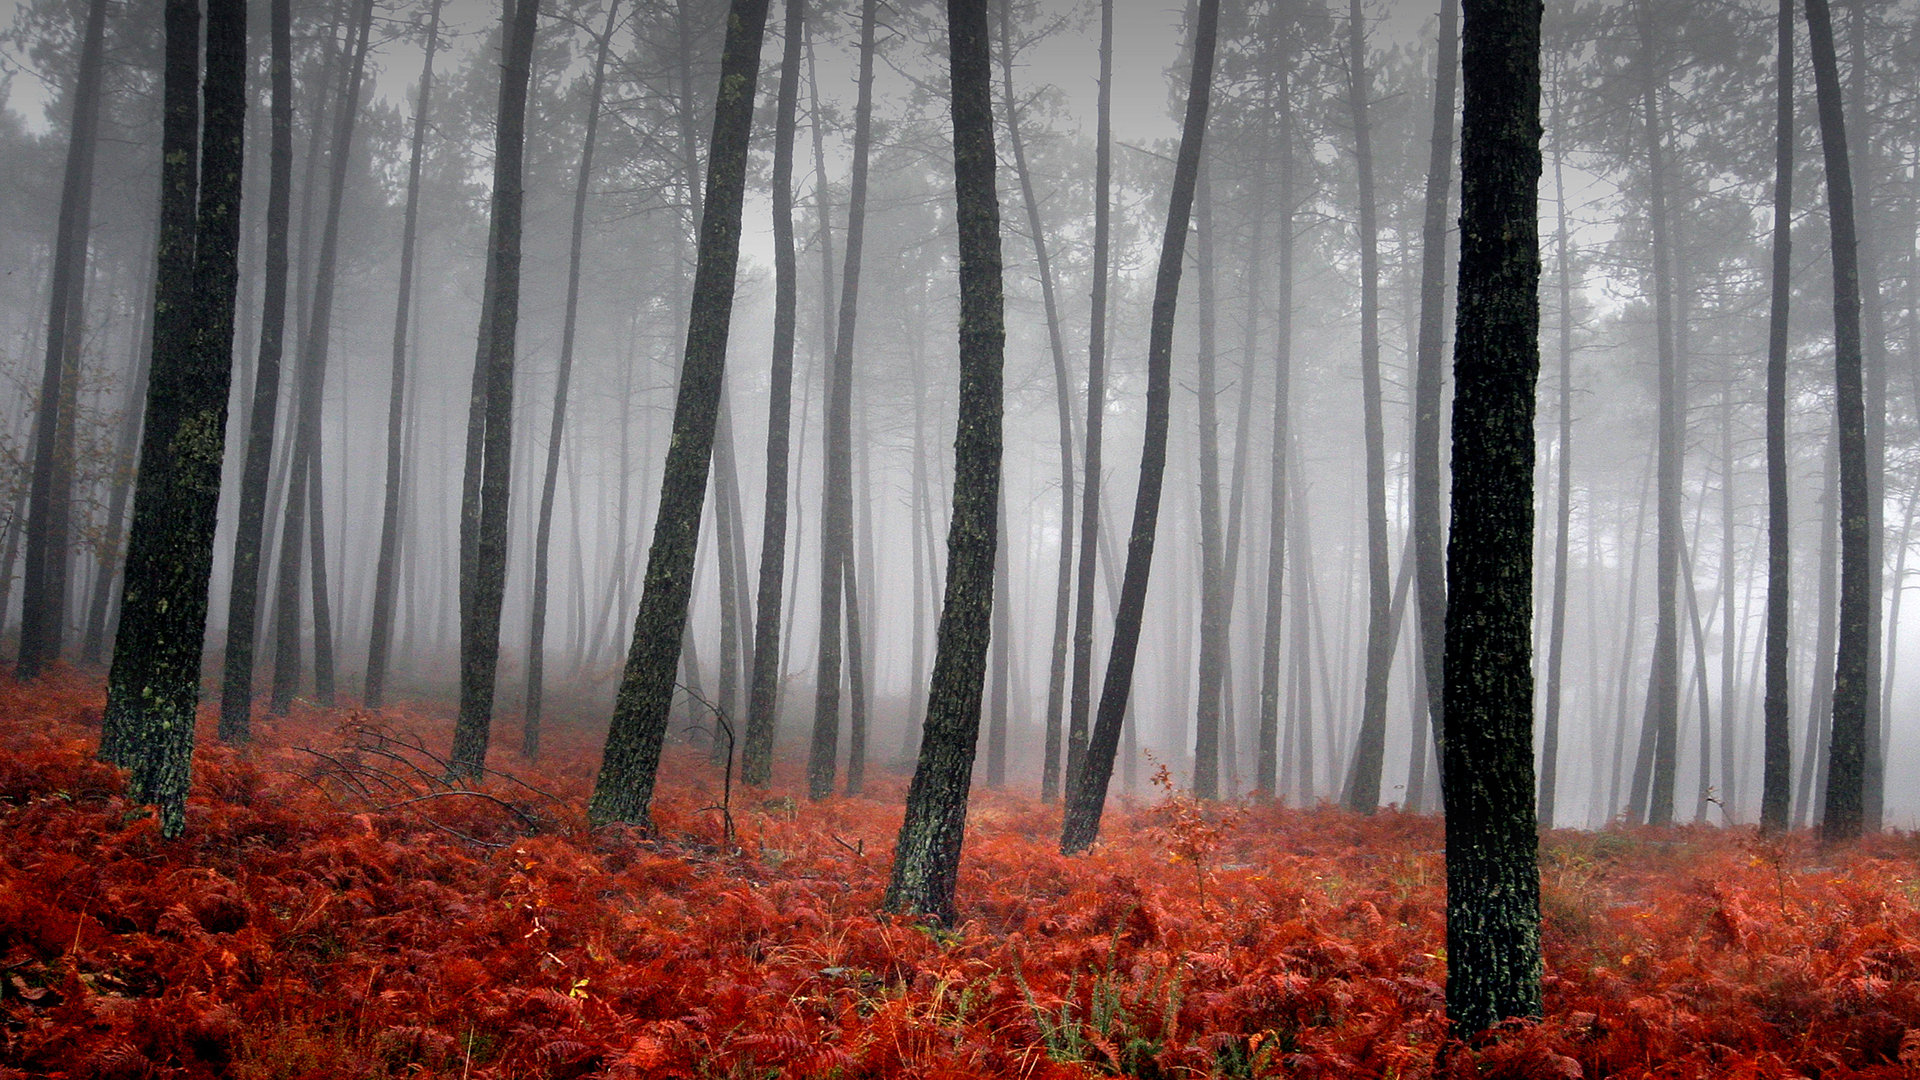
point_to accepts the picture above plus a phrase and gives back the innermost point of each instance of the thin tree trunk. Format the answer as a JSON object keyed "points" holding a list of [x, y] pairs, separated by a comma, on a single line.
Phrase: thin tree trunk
{"points": [[1362, 792], [1563, 513], [624, 788], [763, 699], [489, 456], [1087, 795], [387, 573], [543, 534], [927, 857], [1844, 811], [836, 514], [1080, 694], [1268, 769], [1813, 766], [1213, 623], [1865, 168], [1063, 402], [243, 599]]}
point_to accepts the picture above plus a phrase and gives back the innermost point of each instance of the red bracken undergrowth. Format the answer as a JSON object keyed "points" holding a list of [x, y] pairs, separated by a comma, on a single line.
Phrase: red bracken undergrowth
{"points": [[333, 912]]}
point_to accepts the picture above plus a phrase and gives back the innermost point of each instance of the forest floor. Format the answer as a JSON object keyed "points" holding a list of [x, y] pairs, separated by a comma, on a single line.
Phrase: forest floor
{"points": [[335, 911]]}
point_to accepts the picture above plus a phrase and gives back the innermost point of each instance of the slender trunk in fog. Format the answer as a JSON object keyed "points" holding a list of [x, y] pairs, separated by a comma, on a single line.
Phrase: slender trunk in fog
{"points": [[243, 599], [1087, 796], [1563, 506], [1844, 809], [489, 451], [1429, 534], [1213, 623], [1813, 763], [1271, 690], [763, 699], [387, 572], [303, 482], [563, 378], [1652, 797], [927, 856], [43, 591], [624, 788], [1063, 408], [1080, 694], [1362, 792], [836, 513]]}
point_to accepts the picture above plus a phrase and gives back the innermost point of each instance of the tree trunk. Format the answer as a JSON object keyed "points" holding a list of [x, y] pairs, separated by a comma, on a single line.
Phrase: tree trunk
{"points": [[1213, 623], [1080, 694], [153, 688], [543, 535], [1652, 800], [1813, 765], [1063, 402], [1087, 795], [1362, 792], [927, 857], [303, 478], [1563, 512], [483, 503], [1429, 540], [1843, 815], [1493, 882], [243, 599], [624, 788], [763, 699], [386, 579], [1271, 689], [836, 514]]}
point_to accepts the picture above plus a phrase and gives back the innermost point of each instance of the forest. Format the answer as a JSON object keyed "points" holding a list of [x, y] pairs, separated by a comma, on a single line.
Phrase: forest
{"points": [[1005, 538]]}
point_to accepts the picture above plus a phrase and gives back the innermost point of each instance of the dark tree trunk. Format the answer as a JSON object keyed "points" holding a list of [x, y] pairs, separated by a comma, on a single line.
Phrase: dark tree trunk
{"points": [[483, 505], [1087, 794], [926, 859], [556, 433], [303, 522], [1272, 690], [1213, 622], [1843, 814], [126, 730], [1362, 792], [1493, 882], [1080, 693], [1429, 539], [1063, 402], [1652, 798], [624, 788], [43, 593], [836, 514], [763, 699], [153, 688], [243, 600], [386, 578], [1563, 506]]}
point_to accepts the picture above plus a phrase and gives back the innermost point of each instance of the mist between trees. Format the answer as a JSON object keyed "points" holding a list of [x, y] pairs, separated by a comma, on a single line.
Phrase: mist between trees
{"points": [[1299, 321]]}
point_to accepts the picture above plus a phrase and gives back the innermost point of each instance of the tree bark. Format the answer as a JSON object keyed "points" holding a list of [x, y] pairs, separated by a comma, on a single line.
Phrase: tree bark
{"points": [[153, 688], [1844, 812], [624, 787], [1362, 792], [543, 534], [1493, 882], [1213, 622], [836, 514], [1087, 795], [43, 592], [763, 699], [483, 504], [926, 859], [243, 599], [1272, 689], [386, 578]]}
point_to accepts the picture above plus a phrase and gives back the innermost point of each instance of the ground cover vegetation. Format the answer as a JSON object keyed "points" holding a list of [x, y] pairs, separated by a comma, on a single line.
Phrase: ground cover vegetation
{"points": [[334, 909]]}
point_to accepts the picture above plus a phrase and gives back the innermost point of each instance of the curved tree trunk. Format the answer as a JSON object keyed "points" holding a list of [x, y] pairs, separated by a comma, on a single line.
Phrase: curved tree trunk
{"points": [[927, 857], [386, 578], [1087, 794], [624, 787], [556, 433], [489, 458]]}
